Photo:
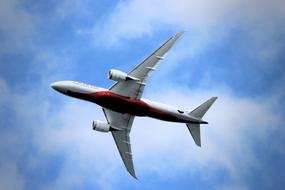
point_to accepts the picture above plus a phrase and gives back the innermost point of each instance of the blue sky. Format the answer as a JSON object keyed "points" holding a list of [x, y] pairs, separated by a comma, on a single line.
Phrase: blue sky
{"points": [[233, 50]]}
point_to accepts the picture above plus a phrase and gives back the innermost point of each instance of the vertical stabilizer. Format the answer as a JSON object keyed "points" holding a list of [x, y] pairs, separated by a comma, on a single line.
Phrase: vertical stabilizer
{"points": [[194, 129]]}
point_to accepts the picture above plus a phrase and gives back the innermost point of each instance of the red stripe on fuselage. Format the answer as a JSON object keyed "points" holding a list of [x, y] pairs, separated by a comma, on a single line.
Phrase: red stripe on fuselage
{"points": [[124, 104], [120, 103]]}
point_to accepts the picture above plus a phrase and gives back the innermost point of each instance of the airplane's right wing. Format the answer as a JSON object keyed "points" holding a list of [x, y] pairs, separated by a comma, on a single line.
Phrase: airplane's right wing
{"points": [[123, 124]]}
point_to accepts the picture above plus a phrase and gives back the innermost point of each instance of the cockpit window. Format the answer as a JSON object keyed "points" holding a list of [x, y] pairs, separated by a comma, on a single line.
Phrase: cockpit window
{"points": [[180, 111]]}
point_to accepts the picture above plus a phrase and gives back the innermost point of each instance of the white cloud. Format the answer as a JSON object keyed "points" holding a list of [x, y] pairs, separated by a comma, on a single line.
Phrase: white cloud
{"points": [[90, 154], [209, 23], [159, 148], [21, 24], [135, 18], [234, 122], [17, 26]]}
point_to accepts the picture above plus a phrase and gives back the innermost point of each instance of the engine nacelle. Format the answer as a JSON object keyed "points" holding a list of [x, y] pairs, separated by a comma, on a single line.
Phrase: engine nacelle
{"points": [[101, 126], [117, 75]]}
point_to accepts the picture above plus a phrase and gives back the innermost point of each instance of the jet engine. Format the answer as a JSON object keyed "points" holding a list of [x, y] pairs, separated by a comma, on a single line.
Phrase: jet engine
{"points": [[101, 126], [117, 75]]}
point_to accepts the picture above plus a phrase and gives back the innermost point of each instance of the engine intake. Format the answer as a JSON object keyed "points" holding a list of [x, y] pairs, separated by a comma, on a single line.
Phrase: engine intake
{"points": [[101, 126], [117, 75]]}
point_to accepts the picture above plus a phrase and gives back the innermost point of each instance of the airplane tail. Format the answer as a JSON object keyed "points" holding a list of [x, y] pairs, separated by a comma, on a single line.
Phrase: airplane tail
{"points": [[199, 112]]}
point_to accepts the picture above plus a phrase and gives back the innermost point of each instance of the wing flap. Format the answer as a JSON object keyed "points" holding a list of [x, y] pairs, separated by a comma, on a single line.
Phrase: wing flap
{"points": [[119, 120]]}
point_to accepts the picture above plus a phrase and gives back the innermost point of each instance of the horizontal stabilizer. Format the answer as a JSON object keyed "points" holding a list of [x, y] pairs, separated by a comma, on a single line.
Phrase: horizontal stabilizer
{"points": [[194, 129], [200, 111]]}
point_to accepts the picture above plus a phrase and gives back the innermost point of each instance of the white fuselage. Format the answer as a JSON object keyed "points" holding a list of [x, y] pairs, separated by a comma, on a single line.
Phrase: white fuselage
{"points": [[122, 104]]}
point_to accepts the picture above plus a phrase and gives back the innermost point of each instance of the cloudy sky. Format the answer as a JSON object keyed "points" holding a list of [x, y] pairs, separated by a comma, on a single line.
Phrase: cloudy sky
{"points": [[232, 49]]}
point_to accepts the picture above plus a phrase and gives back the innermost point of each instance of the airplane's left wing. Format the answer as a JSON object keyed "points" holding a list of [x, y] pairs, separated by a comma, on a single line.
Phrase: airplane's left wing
{"points": [[134, 88], [122, 140], [122, 123]]}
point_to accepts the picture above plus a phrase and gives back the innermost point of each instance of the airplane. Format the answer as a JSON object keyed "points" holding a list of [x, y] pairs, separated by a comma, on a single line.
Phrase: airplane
{"points": [[123, 101]]}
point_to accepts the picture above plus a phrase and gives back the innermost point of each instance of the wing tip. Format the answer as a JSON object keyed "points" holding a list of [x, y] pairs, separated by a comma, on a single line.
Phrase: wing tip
{"points": [[179, 34], [198, 144], [133, 174]]}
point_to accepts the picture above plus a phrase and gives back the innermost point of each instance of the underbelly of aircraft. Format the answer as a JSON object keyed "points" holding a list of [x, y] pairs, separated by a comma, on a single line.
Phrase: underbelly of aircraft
{"points": [[124, 104]]}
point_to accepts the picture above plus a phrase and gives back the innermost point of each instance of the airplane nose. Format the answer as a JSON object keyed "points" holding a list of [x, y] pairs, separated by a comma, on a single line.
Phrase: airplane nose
{"points": [[58, 86], [54, 85]]}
